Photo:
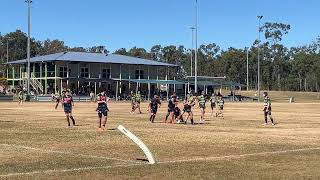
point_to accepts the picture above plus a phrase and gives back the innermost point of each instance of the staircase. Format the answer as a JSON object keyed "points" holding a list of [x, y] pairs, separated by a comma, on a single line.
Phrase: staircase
{"points": [[36, 84]]}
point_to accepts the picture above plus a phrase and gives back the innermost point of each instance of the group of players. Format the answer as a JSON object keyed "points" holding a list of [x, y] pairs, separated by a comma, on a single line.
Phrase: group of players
{"points": [[174, 113]]}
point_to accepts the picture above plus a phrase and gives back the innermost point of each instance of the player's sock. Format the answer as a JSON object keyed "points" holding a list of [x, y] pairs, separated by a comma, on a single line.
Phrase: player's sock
{"points": [[154, 116], [68, 120], [271, 120], [99, 122], [266, 120], [73, 121], [192, 121]]}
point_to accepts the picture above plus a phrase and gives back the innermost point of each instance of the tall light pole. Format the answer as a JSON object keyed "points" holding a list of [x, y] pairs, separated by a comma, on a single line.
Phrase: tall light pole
{"points": [[196, 51], [248, 69], [259, 17], [7, 66], [28, 48], [191, 60]]}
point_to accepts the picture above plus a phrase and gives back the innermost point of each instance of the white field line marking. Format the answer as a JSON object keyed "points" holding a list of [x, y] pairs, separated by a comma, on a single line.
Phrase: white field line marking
{"points": [[65, 152], [164, 162], [238, 156], [69, 170]]}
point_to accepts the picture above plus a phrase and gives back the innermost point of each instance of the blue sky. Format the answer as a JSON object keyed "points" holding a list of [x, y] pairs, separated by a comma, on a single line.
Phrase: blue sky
{"points": [[143, 23]]}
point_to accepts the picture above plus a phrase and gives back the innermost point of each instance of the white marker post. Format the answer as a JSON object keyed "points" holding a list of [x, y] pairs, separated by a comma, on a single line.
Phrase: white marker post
{"points": [[136, 140]]}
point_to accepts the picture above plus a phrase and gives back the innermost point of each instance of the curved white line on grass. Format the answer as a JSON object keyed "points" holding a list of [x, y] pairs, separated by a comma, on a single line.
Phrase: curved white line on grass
{"points": [[138, 142], [238, 156], [69, 170], [65, 152]]}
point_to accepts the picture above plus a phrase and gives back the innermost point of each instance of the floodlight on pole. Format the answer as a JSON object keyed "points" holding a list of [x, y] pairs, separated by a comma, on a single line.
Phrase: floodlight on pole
{"points": [[196, 50], [259, 18]]}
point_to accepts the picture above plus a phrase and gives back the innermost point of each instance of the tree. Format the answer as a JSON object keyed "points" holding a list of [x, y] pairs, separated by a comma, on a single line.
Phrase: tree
{"points": [[138, 52], [98, 49], [121, 51], [54, 46]]}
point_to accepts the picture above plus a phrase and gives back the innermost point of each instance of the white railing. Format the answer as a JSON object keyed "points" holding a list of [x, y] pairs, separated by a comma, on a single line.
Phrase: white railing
{"points": [[33, 82]]}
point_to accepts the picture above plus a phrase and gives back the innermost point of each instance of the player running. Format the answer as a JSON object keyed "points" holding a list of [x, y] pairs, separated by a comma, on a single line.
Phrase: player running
{"points": [[202, 106], [213, 100], [21, 93], [102, 110], [153, 107], [188, 103], [220, 105], [67, 103], [267, 108], [171, 105], [57, 97]]}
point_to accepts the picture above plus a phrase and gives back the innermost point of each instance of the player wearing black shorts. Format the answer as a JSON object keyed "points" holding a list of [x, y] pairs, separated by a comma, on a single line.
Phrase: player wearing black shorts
{"points": [[171, 105], [220, 105], [187, 107], [213, 100], [202, 106], [267, 109], [21, 93], [67, 103], [177, 115], [102, 110], [138, 101], [153, 107], [133, 102]]}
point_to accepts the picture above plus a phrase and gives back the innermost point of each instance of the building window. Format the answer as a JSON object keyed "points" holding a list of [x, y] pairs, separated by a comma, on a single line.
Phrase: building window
{"points": [[106, 73], [63, 72], [139, 73], [84, 73]]}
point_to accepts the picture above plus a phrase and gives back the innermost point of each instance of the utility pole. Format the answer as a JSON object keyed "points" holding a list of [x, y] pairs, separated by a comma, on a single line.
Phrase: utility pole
{"points": [[196, 52], [191, 60], [248, 69], [28, 48], [259, 17]]}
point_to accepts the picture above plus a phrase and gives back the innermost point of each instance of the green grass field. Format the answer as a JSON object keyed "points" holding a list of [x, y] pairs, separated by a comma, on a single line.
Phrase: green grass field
{"points": [[36, 144]]}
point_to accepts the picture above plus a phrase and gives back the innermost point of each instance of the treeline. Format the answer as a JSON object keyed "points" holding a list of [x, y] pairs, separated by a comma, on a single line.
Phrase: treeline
{"points": [[282, 68]]}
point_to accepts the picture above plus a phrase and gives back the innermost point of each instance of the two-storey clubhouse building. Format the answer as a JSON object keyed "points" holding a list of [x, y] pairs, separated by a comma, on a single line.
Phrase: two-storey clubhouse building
{"points": [[85, 72]]}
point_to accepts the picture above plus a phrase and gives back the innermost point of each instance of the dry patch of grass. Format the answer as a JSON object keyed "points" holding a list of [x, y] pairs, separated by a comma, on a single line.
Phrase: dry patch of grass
{"points": [[34, 138]]}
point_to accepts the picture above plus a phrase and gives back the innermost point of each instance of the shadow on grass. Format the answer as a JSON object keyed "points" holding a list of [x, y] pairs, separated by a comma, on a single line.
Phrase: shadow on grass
{"points": [[6, 121], [142, 159]]}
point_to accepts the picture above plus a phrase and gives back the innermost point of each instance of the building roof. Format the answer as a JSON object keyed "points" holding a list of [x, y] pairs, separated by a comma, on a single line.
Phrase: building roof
{"points": [[92, 58]]}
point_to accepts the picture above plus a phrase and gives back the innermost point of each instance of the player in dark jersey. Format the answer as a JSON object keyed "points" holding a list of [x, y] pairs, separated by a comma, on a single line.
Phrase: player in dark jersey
{"points": [[67, 103], [171, 105], [267, 108], [102, 110], [177, 115], [153, 107]]}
